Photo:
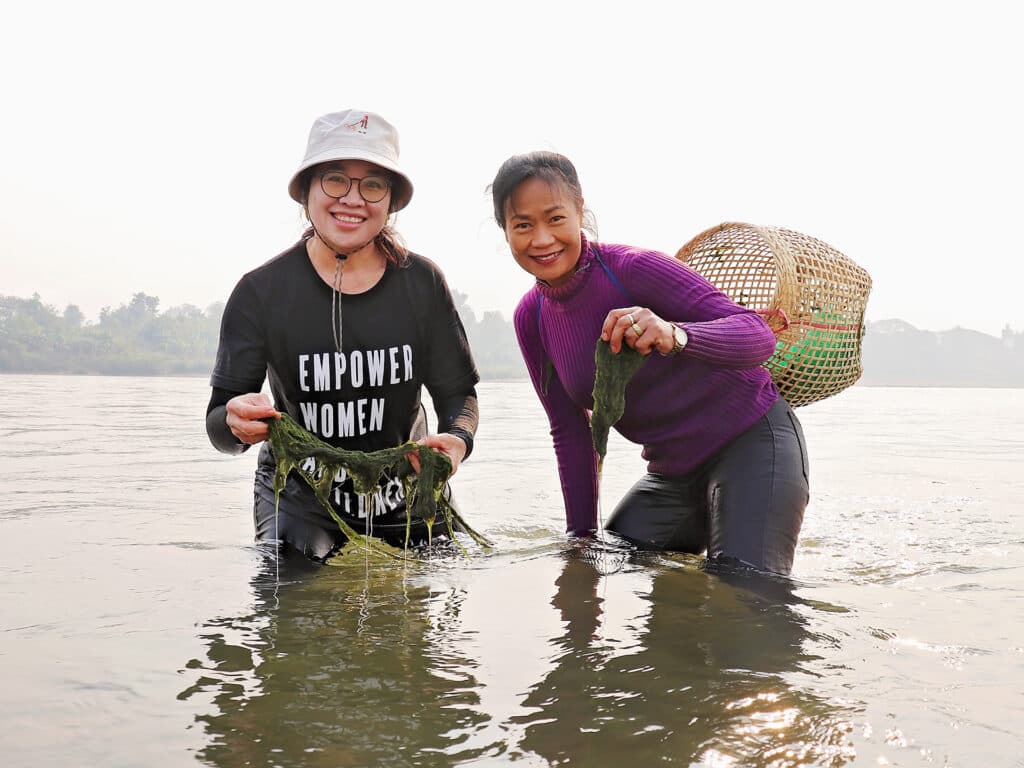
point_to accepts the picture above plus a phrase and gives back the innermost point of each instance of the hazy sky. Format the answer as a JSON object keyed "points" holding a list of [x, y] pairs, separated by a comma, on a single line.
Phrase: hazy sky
{"points": [[149, 149]]}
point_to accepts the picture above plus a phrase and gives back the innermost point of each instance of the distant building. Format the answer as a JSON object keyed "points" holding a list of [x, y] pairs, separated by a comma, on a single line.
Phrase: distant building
{"points": [[1009, 337]]}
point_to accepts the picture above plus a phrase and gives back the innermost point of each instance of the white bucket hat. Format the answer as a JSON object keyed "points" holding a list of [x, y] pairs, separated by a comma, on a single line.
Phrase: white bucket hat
{"points": [[354, 134]]}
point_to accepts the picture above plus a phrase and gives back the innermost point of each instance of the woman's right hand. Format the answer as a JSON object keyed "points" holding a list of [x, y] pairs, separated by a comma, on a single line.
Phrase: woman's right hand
{"points": [[245, 414], [638, 327]]}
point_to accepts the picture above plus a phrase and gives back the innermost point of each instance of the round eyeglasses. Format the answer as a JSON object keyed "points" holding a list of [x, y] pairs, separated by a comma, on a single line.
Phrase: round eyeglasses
{"points": [[372, 189]]}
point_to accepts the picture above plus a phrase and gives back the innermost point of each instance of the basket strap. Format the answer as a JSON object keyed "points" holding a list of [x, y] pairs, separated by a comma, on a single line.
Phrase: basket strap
{"points": [[828, 326], [772, 314], [611, 275]]}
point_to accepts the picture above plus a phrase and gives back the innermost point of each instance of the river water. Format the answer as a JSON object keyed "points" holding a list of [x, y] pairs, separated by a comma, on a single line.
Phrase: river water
{"points": [[141, 627]]}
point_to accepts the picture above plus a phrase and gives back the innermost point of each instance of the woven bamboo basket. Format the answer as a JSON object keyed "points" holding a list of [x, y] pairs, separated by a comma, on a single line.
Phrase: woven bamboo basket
{"points": [[812, 296]]}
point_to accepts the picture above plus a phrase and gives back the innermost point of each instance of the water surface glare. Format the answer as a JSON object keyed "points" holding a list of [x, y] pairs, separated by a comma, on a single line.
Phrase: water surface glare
{"points": [[140, 626]]}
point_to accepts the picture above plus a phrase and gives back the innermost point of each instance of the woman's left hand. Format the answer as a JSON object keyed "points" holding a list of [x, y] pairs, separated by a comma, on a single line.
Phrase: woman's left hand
{"points": [[639, 328], [451, 446]]}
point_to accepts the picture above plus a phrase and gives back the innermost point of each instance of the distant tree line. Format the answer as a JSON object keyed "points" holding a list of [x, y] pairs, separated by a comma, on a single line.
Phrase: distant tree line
{"points": [[493, 341], [898, 354], [134, 339], [137, 339]]}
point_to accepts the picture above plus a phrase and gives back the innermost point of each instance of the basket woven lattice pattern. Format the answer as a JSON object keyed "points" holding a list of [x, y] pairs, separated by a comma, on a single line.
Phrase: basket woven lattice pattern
{"points": [[812, 296]]}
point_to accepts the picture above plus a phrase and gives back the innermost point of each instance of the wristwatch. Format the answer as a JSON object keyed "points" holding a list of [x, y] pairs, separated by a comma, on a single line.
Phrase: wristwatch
{"points": [[679, 340]]}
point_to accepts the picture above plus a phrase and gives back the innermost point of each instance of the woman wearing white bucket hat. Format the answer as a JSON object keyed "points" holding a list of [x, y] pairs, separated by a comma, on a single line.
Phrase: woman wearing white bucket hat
{"points": [[348, 326]]}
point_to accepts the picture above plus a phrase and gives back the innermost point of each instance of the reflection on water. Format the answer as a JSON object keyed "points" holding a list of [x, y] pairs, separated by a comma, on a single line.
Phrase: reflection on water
{"points": [[348, 666], [139, 626], [334, 666], [708, 681]]}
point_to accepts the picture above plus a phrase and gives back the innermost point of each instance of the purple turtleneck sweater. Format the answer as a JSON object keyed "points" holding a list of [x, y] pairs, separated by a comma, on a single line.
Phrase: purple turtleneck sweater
{"points": [[683, 408]]}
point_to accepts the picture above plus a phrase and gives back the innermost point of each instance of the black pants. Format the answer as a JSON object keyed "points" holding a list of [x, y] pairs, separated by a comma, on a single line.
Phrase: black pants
{"points": [[746, 503]]}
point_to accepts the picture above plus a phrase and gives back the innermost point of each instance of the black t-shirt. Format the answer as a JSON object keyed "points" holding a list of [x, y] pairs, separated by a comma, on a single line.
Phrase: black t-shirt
{"points": [[401, 334]]}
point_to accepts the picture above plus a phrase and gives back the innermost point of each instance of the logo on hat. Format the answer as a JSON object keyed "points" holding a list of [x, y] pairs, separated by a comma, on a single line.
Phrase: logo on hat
{"points": [[359, 126]]}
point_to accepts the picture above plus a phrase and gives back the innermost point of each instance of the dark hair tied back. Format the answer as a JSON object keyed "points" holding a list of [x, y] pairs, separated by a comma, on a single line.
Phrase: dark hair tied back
{"points": [[549, 166]]}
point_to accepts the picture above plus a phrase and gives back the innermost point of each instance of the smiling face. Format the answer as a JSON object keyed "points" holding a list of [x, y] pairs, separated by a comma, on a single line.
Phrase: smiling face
{"points": [[349, 222], [542, 226]]}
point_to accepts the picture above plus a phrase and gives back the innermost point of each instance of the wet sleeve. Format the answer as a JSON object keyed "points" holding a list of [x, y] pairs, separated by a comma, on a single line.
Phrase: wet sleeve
{"points": [[459, 416]]}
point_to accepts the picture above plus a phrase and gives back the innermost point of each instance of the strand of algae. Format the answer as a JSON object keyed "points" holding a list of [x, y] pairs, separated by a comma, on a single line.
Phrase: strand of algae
{"points": [[612, 376], [292, 444]]}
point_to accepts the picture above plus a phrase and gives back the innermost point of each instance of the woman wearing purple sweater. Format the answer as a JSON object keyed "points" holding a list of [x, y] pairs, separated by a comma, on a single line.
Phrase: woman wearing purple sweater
{"points": [[727, 464]]}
